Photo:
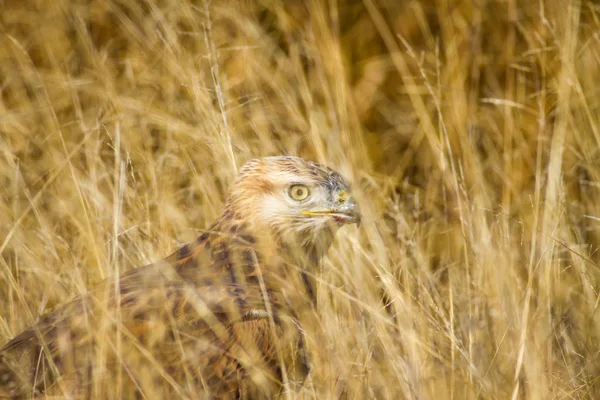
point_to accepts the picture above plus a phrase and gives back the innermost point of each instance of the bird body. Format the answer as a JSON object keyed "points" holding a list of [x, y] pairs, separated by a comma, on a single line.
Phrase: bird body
{"points": [[221, 317]]}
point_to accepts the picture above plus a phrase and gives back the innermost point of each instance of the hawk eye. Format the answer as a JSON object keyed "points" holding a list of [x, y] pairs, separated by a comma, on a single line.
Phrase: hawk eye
{"points": [[298, 192]]}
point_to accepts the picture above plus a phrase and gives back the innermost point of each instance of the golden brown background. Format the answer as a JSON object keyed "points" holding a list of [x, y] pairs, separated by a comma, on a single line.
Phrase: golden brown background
{"points": [[470, 129]]}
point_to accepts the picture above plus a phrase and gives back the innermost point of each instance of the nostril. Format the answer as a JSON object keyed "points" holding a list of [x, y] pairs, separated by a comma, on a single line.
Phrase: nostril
{"points": [[342, 197]]}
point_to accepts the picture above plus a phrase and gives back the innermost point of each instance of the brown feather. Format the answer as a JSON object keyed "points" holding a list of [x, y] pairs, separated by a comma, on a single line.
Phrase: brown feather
{"points": [[219, 317]]}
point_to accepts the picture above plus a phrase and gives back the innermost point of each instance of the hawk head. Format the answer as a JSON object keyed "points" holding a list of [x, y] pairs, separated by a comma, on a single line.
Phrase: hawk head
{"points": [[296, 201]]}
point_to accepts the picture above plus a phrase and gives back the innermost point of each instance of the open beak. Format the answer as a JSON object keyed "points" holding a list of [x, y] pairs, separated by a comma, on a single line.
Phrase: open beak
{"points": [[347, 213]]}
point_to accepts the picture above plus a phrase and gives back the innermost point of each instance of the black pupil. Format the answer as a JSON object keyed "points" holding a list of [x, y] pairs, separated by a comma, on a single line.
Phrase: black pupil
{"points": [[299, 192]]}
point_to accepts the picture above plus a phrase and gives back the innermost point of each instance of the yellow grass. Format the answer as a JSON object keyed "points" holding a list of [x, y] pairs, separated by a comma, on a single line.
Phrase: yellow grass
{"points": [[470, 130]]}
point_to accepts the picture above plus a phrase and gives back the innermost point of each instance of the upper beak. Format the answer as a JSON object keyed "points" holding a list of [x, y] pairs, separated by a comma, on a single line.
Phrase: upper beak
{"points": [[348, 212]]}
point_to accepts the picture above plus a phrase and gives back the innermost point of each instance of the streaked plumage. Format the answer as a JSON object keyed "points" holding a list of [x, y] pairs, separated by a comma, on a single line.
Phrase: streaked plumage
{"points": [[221, 317]]}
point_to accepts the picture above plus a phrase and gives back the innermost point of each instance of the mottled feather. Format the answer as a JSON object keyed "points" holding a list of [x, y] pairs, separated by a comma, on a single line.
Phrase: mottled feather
{"points": [[220, 317]]}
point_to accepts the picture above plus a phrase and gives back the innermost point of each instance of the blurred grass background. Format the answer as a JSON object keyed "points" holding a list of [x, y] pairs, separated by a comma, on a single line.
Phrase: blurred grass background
{"points": [[471, 131]]}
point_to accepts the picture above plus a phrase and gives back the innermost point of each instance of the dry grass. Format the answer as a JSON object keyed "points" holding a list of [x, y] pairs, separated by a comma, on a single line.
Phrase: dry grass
{"points": [[471, 130]]}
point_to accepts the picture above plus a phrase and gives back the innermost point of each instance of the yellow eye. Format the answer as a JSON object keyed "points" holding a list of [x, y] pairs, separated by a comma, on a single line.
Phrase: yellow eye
{"points": [[298, 192]]}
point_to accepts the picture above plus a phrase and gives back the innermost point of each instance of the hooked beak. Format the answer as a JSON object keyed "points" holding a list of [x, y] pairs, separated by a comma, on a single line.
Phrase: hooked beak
{"points": [[346, 213]]}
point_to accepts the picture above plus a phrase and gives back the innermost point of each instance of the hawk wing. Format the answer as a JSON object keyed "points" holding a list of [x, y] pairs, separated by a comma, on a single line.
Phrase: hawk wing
{"points": [[195, 322]]}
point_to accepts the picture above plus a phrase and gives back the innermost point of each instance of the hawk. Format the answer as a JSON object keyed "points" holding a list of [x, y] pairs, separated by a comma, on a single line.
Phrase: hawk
{"points": [[219, 318]]}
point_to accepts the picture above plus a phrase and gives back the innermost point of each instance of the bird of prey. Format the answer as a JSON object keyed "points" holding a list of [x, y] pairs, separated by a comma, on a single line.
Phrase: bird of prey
{"points": [[220, 318]]}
